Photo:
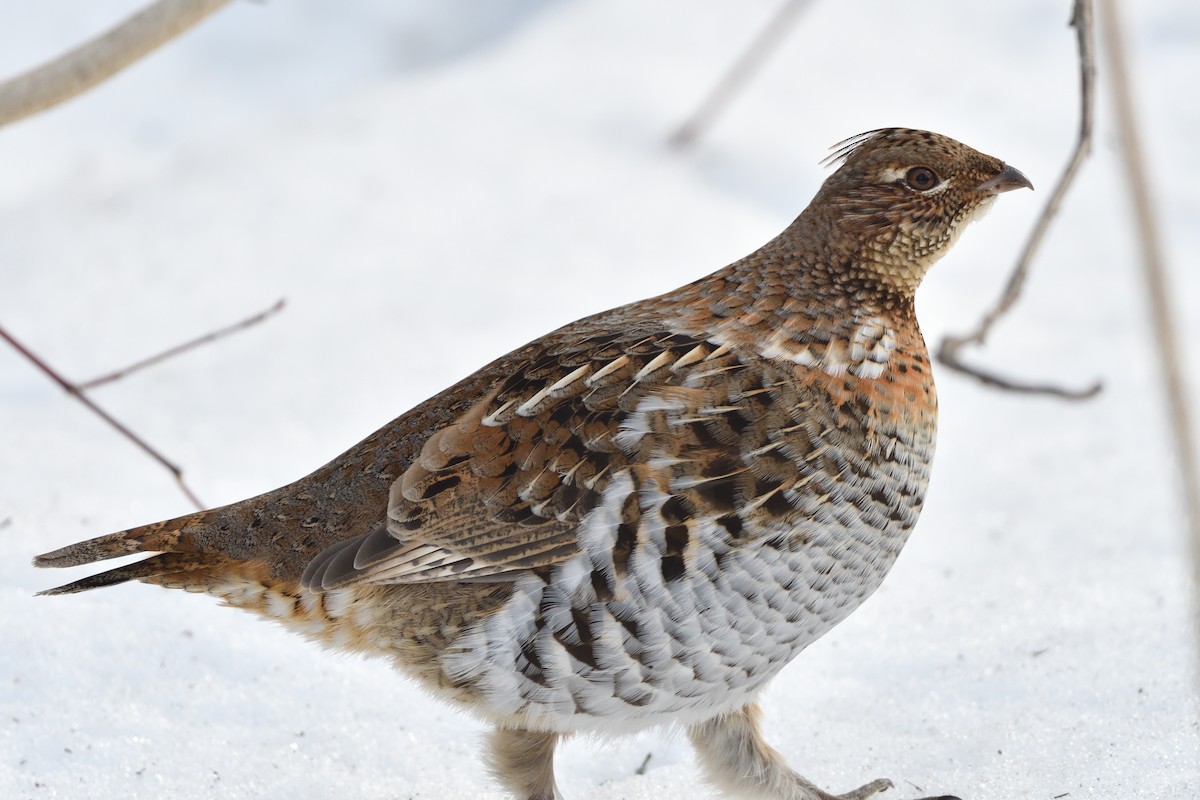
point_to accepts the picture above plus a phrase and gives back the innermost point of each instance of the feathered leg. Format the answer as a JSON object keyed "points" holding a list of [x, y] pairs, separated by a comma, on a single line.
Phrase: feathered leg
{"points": [[740, 763], [524, 762]]}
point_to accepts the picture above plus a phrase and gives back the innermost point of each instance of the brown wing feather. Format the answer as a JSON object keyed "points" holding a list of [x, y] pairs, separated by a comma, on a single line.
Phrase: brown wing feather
{"points": [[502, 489]]}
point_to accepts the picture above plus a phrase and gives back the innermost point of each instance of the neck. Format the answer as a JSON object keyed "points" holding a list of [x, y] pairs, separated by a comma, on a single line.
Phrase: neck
{"points": [[805, 284]]}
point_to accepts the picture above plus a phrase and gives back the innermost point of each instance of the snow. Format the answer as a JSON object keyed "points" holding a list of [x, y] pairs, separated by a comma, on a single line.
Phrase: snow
{"points": [[429, 185]]}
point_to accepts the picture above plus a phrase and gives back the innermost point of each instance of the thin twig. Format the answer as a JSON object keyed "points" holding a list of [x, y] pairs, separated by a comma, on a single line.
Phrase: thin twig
{"points": [[1155, 274], [948, 352], [753, 57], [181, 348], [80, 69], [74, 391], [988, 378]]}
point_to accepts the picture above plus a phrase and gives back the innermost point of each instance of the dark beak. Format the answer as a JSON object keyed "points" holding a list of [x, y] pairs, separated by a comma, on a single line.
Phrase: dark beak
{"points": [[1009, 178]]}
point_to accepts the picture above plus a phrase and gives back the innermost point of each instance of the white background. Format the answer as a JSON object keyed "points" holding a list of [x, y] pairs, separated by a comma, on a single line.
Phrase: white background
{"points": [[430, 184]]}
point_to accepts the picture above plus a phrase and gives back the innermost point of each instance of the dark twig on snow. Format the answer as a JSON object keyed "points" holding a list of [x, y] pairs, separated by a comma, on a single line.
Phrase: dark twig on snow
{"points": [[75, 392], [739, 73], [1154, 272], [100, 58], [949, 350], [181, 348]]}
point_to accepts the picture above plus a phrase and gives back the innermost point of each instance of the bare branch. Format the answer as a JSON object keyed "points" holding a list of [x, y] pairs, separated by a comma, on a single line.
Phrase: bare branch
{"points": [[753, 57], [948, 351], [102, 57], [74, 391], [1009, 385], [1155, 274], [181, 348]]}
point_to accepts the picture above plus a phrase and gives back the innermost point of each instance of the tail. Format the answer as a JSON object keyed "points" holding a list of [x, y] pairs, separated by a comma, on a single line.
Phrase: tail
{"points": [[196, 553], [180, 563]]}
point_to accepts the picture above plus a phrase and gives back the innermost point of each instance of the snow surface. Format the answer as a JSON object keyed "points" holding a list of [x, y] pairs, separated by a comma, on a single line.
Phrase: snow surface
{"points": [[430, 184]]}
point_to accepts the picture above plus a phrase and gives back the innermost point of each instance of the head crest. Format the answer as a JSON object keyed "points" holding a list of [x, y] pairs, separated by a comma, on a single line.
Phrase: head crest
{"points": [[843, 149]]}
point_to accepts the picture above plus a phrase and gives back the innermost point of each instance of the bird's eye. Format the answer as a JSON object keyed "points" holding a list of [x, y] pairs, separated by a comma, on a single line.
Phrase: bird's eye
{"points": [[921, 178]]}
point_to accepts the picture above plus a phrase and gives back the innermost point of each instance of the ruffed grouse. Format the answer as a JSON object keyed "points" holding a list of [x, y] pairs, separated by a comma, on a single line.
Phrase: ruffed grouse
{"points": [[641, 517]]}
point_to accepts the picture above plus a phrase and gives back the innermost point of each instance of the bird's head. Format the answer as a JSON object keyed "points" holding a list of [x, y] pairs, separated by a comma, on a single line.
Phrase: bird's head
{"points": [[901, 197]]}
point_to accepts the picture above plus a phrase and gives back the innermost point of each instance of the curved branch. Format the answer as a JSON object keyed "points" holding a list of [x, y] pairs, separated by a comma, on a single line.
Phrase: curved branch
{"points": [[948, 352], [93, 61]]}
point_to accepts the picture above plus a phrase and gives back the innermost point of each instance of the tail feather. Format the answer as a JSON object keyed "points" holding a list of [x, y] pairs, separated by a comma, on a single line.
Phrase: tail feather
{"points": [[161, 537], [193, 553], [178, 553], [159, 566]]}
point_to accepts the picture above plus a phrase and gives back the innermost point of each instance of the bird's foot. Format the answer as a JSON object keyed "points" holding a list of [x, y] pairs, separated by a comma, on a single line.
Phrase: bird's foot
{"points": [[866, 790], [880, 785]]}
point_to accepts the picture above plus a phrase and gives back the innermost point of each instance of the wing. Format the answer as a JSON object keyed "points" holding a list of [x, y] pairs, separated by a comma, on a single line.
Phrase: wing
{"points": [[504, 487], [622, 425]]}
